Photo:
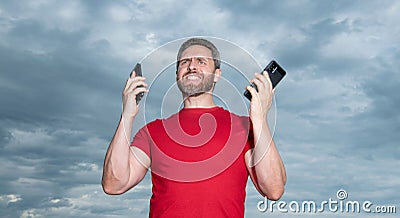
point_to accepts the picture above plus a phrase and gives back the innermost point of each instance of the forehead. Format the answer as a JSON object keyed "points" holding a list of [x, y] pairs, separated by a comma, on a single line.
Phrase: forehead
{"points": [[196, 51]]}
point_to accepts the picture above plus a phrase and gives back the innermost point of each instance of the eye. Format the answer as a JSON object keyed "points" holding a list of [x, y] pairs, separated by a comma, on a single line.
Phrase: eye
{"points": [[183, 62], [202, 61]]}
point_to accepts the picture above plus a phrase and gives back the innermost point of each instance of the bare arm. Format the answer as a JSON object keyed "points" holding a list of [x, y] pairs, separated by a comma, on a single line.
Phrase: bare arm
{"points": [[264, 163], [125, 167]]}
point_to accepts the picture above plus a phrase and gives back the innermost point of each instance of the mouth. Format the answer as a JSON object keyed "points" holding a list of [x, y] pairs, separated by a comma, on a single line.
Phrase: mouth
{"points": [[192, 77]]}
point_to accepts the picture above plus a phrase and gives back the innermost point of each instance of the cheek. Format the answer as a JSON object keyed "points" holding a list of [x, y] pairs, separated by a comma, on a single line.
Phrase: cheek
{"points": [[179, 74]]}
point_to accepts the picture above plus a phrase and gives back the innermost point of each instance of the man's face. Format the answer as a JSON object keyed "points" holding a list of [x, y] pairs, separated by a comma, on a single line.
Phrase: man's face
{"points": [[195, 74]]}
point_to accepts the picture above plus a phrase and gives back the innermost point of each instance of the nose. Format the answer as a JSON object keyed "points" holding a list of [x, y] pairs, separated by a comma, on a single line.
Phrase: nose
{"points": [[192, 65]]}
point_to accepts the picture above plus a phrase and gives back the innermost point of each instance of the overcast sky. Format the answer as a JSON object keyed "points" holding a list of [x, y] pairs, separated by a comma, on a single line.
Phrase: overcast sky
{"points": [[63, 65]]}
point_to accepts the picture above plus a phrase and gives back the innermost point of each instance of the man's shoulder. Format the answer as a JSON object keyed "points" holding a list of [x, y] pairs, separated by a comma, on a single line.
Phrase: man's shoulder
{"points": [[159, 121], [237, 116]]}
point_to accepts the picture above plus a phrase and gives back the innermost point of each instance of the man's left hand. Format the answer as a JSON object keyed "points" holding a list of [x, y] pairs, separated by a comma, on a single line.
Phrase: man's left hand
{"points": [[261, 101]]}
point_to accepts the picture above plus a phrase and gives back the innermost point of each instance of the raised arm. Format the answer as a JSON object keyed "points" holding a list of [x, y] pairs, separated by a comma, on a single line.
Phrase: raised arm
{"points": [[122, 170], [264, 163]]}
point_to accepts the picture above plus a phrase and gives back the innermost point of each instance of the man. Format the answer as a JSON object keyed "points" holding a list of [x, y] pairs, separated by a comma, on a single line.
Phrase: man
{"points": [[200, 157]]}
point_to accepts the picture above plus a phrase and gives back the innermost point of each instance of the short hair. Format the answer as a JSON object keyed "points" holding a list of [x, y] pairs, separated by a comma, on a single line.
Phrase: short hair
{"points": [[204, 43]]}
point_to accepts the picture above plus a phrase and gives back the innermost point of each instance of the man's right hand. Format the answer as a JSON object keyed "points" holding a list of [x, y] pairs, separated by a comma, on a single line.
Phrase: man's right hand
{"points": [[134, 85]]}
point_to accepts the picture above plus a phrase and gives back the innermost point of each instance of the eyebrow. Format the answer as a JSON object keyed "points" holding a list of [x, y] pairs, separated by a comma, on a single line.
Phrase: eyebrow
{"points": [[196, 57]]}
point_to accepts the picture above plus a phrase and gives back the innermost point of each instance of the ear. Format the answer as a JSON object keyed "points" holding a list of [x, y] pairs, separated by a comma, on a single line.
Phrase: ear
{"points": [[217, 74]]}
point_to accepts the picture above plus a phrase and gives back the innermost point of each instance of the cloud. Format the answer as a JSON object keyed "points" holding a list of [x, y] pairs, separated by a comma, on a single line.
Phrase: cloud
{"points": [[10, 198]]}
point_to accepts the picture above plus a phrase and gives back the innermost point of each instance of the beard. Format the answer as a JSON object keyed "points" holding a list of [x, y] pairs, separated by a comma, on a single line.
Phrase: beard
{"points": [[191, 89]]}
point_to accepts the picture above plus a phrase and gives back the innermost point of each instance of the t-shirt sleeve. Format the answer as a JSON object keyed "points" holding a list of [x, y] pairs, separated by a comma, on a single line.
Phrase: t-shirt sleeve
{"points": [[246, 122], [142, 140]]}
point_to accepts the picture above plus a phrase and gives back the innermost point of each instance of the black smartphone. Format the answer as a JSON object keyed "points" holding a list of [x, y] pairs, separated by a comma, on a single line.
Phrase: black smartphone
{"points": [[276, 74], [138, 71]]}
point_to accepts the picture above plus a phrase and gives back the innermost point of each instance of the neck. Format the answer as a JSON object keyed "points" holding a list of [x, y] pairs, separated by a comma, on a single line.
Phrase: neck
{"points": [[204, 100]]}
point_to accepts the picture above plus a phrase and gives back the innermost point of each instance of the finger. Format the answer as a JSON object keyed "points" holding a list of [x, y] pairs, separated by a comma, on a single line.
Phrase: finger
{"points": [[139, 90], [268, 79], [127, 84], [263, 77], [259, 84], [253, 92], [133, 74], [131, 80], [134, 85], [137, 78]]}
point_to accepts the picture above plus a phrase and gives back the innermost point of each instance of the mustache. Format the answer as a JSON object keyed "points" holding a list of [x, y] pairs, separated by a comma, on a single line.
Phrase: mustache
{"points": [[192, 72]]}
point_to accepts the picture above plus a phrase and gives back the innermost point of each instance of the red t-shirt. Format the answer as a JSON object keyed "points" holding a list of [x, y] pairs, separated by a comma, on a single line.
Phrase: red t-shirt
{"points": [[197, 163]]}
